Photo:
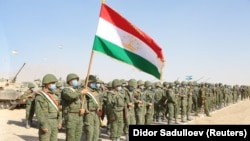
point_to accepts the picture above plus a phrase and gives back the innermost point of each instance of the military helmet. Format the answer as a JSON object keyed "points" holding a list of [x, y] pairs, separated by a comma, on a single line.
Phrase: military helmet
{"points": [[140, 82], [123, 81], [190, 83], [165, 83], [132, 82], [116, 82], [72, 76], [59, 84], [109, 84], [171, 85], [177, 82], [92, 78], [183, 83], [147, 83], [158, 84], [31, 85], [49, 78]]}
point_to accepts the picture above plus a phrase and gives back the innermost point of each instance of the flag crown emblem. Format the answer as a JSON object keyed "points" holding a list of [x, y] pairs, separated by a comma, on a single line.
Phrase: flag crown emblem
{"points": [[130, 43]]}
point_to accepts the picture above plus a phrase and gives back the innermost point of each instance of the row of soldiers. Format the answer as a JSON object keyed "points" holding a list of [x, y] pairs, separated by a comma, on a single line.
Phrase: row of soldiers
{"points": [[83, 106]]}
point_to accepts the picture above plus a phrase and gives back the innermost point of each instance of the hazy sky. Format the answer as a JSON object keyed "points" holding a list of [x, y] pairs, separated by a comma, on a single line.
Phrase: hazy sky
{"points": [[208, 39]]}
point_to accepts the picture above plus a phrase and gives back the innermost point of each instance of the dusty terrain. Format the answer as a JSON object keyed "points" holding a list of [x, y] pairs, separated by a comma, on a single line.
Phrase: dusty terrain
{"points": [[12, 125]]}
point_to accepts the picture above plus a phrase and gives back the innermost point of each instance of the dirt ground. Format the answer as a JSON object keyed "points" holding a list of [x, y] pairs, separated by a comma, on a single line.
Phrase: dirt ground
{"points": [[12, 125]]}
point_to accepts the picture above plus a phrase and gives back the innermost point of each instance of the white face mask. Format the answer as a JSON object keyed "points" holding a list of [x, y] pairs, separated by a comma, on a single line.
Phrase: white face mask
{"points": [[98, 85], [119, 88]]}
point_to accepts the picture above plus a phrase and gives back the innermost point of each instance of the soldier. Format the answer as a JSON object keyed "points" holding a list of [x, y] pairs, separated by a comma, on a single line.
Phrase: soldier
{"points": [[107, 107], [47, 110], [195, 90], [189, 100], [149, 99], [29, 97], [183, 100], [203, 100], [129, 97], [140, 105], [72, 108], [58, 91], [93, 111], [158, 102], [171, 102], [118, 112], [177, 97]]}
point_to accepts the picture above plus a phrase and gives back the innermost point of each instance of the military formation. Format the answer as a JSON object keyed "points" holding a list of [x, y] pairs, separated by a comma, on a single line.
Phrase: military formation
{"points": [[80, 107]]}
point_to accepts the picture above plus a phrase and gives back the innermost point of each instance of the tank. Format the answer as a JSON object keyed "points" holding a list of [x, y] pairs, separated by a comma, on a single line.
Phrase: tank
{"points": [[10, 92]]}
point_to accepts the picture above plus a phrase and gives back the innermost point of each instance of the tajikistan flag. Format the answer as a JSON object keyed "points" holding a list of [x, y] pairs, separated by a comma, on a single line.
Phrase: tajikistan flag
{"points": [[119, 39]]}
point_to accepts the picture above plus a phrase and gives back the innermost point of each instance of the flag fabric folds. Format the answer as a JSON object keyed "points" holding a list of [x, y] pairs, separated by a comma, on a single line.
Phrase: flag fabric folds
{"points": [[120, 39]]}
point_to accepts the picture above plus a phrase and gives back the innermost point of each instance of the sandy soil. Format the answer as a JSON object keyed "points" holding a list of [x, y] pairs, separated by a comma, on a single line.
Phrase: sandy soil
{"points": [[12, 126]]}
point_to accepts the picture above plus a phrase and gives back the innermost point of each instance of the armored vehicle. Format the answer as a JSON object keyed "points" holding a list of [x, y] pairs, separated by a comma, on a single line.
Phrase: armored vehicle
{"points": [[10, 92]]}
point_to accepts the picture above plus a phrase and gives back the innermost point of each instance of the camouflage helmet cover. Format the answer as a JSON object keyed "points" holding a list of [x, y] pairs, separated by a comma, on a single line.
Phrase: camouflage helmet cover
{"points": [[31, 85], [72, 76], [116, 82], [92, 78], [132, 82], [148, 83], [49, 78]]}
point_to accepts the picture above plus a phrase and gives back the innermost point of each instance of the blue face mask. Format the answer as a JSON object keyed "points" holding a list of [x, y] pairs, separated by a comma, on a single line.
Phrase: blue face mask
{"points": [[74, 83], [61, 88], [52, 87], [149, 88], [32, 89], [92, 85]]}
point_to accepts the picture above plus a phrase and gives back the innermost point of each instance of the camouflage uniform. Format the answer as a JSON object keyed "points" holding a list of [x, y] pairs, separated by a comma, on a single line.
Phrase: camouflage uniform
{"points": [[72, 108], [140, 104], [48, 114], [29, 97], [129, 97], [117, 101], [93, 111], [171, 102], [149, 99]]}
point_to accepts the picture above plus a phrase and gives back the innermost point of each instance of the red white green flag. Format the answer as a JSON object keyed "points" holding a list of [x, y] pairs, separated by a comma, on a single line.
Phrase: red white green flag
{"points": [[120, 39]]}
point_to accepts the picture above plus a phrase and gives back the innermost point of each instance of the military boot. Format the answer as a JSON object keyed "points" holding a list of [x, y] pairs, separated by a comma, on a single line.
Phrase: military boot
{"points": [[182, 119], [176, 121], [27, 124], [170, 122], [189, 118]]}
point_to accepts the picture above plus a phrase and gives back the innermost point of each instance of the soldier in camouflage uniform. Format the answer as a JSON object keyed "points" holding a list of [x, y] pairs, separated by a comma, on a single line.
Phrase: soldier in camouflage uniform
{"points": [[129, 97], [195, 94], [72, 108], [93, 111], [183, 100], [58, 91], [177, 97], [189, 100], [47, 110], [107, 106], [29, 97], [140, 104], [149, 99], [202, 99], [171, 102], [159, 98], [118, 113]]}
